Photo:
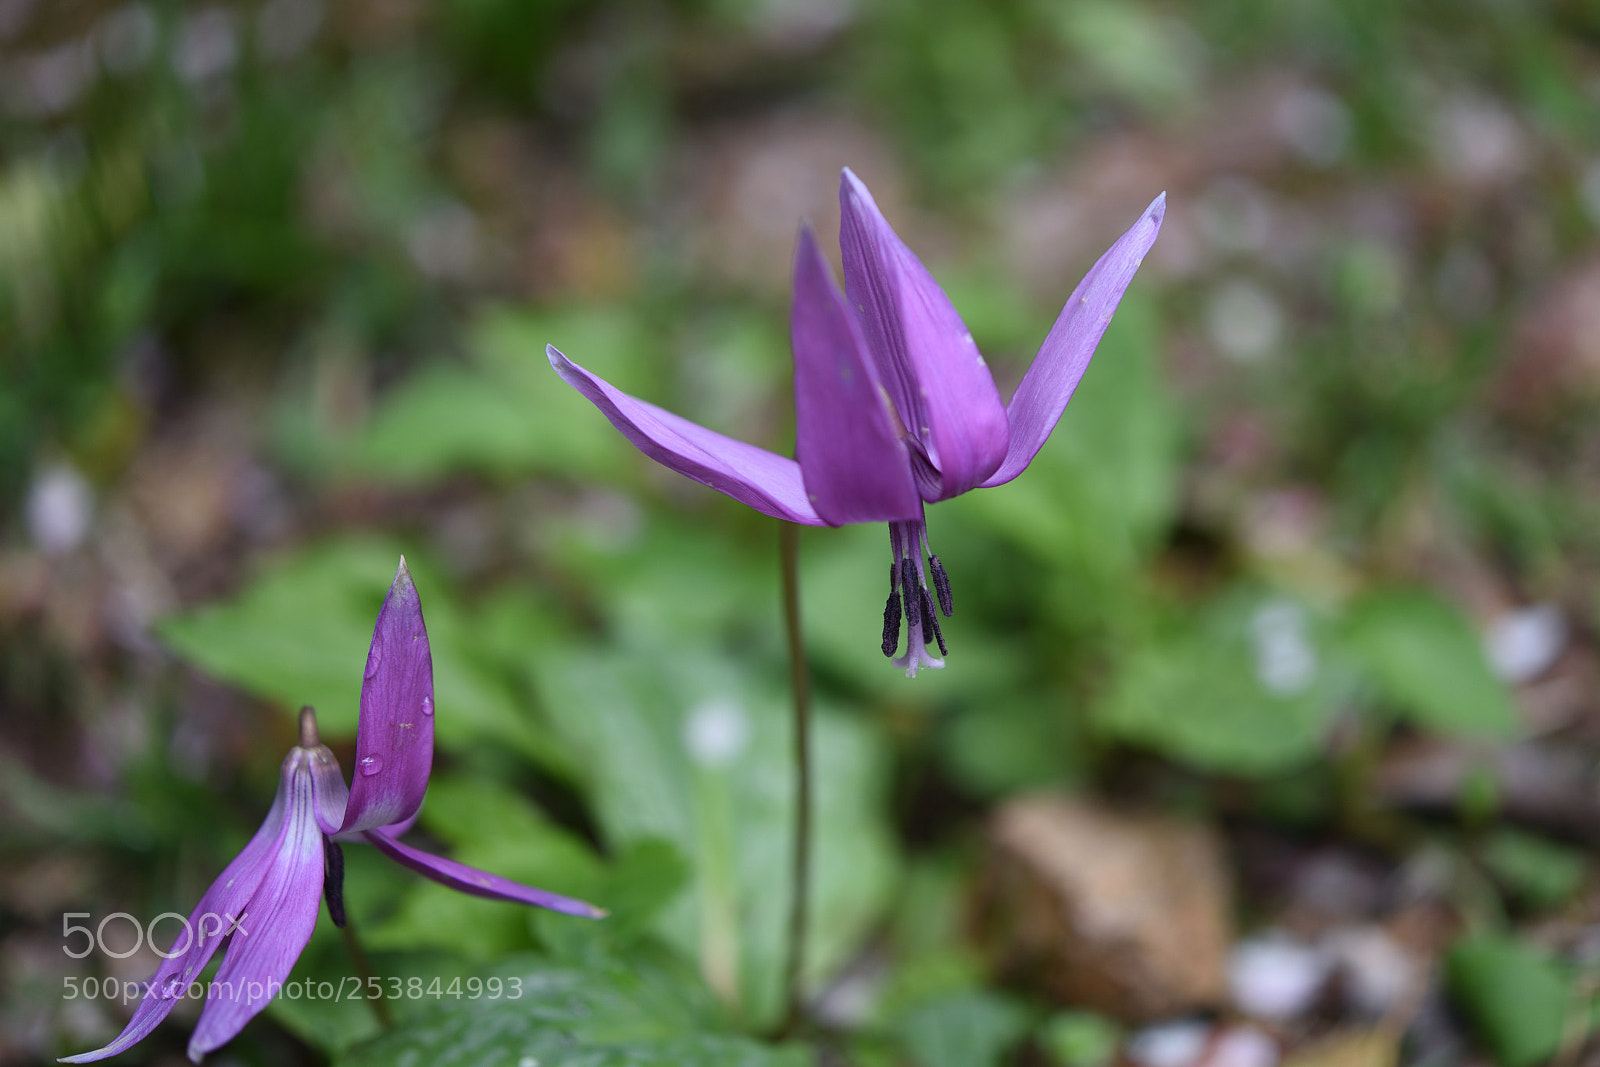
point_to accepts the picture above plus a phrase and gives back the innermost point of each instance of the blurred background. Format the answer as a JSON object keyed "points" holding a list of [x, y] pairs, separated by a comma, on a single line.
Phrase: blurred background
{"points": [[1270, 726]]}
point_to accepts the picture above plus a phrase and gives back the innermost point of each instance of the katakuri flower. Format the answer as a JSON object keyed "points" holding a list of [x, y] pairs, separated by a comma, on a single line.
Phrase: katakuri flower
{"points": [[267, 898], [894, 405]]}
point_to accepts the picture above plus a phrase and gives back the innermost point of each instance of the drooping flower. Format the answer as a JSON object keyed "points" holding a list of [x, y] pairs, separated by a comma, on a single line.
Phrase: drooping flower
{"points": [[267, 898], [894, 405]]}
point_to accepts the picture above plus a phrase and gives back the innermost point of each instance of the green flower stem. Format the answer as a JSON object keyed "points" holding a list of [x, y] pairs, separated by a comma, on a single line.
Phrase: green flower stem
{"points": [[800, 685]]}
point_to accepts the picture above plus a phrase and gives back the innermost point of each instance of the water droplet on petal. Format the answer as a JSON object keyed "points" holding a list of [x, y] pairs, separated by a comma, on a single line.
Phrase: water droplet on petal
{"points": [[427, 705], [370, 765], [374, 657]]}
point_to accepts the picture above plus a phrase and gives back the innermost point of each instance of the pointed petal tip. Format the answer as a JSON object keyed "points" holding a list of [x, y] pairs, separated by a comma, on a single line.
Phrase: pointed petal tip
{"points": [[553, 354], [403, 583], [850, 185]]}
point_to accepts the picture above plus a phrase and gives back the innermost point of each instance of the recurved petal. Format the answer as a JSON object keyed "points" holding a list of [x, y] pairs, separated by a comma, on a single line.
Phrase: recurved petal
{"points": [[1042, 396], [924, 353], [274, 930], [222, 905], [394, 739], [466, 879], [753, 476], [854, 465]]}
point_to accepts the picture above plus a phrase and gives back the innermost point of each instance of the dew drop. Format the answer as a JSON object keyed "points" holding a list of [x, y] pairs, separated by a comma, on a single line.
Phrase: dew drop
{"points": [[370, 765], [374, 657], [427, 705]]}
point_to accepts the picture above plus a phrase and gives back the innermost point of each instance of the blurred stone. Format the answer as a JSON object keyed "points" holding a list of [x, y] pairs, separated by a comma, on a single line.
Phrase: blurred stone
{"points": [[1361, 1048], [1275, 977], [1375, 974], [1124, 913]]}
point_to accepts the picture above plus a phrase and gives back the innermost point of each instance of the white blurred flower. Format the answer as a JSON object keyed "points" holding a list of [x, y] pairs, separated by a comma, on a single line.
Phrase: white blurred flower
{"points": [[716, 733], [1243, 320], [1273, 977], [1522, 644], [1174, 1044], [59, 508], [1286, 661], [1314, 124]]}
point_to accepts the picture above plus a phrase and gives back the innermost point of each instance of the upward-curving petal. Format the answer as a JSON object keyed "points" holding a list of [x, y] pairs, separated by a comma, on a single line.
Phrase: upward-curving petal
{"points": [[460, 877], [924, 353], [853, 463], [394, 739], [226, 902], [282, 914], [1042, 395], [753, 476]]}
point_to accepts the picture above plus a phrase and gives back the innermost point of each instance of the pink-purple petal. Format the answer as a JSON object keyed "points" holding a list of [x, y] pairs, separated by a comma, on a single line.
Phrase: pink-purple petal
{"points": [[753, 476], [1042, 396], [465, 879], [274, 930], [924, 353], [394, 739], [854, 465], [228, 899]]}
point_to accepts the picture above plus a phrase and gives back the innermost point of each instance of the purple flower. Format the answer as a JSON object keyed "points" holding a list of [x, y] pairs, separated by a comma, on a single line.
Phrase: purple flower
{"points": [[267, 897], [894, 405]]}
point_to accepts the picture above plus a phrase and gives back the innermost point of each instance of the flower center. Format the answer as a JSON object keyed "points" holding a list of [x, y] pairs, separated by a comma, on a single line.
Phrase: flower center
{"points": [[908, 592]]}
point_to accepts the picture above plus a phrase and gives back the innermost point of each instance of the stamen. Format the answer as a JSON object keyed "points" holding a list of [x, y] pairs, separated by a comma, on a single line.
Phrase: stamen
{"points": [[930, 621], [908, 593], [891, 616], [941, 582], [333, 880]]}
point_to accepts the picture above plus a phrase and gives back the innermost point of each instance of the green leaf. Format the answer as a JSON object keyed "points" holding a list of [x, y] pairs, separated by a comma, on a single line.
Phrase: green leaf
{"points": [[1080, 1039], [1540, 872], [1223, 692], [635, 1013], [969, 1029], [1516, 997], [1428, 660], [691, 750]]}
